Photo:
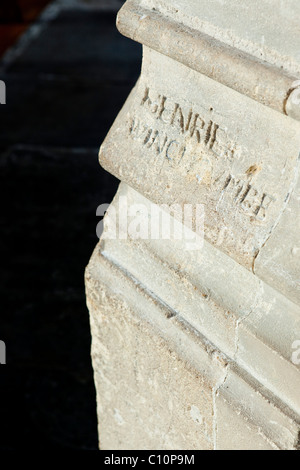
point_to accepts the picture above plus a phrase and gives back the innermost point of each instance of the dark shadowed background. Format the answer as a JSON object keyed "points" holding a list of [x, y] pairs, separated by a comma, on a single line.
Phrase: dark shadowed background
{"points": [[67, 74]]}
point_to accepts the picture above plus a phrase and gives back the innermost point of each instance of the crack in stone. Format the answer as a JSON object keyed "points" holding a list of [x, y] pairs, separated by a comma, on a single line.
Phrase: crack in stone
{"points": [[215, 393], [282, 211], [242, 320]]}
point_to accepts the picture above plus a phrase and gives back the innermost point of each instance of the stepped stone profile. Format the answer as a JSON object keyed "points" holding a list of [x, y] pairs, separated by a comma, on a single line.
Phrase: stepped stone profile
{"points": [[197, 348]]}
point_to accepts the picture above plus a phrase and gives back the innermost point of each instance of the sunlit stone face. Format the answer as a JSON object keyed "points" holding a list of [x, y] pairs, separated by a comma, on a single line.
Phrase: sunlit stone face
{"points": [[199, 349], [267, 29]]}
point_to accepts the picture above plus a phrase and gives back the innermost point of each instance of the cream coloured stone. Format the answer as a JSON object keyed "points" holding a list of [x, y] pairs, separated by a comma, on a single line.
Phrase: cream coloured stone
{"points": [[267, 30], [244, 437], [123, 283], [229, 312], [142, 390], [244, 168], [194, 349], [252, 60]]}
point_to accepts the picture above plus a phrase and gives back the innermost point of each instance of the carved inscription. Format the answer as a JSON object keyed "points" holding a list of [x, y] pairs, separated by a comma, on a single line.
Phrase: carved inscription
{"points": [[191, 124], [197, 143], [199, 132], [249, 199]]}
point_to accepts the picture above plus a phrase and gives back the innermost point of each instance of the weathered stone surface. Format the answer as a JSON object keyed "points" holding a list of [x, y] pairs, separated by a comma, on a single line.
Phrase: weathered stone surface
{"points": [[206, 124], [185, 146], [278, 261], [247, 376], [146, 407], [241, 315], [256, 59]]}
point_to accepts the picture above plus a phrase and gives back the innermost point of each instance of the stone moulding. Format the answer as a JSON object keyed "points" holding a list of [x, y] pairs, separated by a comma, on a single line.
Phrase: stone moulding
{"points": [[194, 143], [193, 350], [228, 340], [242, 72]]}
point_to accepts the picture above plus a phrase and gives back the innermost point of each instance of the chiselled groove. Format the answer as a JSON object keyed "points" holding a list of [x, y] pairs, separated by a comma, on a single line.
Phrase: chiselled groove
{"points": [[246, 193], [171, 314], [214, 136], [208, 132], [227, 182]]}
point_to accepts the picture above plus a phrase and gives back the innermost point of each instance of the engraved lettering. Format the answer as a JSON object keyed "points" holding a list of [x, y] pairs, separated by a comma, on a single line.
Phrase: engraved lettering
{"points": [[194, 133], [196, 129], [265, 203]]}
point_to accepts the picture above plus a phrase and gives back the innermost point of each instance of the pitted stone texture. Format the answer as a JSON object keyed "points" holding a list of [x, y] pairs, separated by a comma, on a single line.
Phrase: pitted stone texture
{"points": [[279, 259], [202, 143], [236, 433], [148, 397], [241, 315], [205, 124], [268, 30], [151, 392], [139, 279], [239, 61]]}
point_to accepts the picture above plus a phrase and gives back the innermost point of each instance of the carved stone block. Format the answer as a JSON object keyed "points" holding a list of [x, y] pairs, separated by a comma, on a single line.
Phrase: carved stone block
{"points": [[193, 349]]}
